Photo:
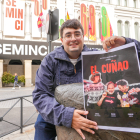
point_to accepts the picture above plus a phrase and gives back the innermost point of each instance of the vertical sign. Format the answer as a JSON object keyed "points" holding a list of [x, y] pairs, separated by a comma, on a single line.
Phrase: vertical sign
{"points": [[70, 8], [107, 22], [45, 9], [14, 17], [61, 7], [36, 32], [84, 15], [88, 20], [92, 22]]}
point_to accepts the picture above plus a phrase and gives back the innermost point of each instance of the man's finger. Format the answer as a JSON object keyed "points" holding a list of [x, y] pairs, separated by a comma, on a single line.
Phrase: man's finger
{"points": [[107, 42], [105, 46], [90, 126], [88, 130], [112, 41], [86, 121], [80, 133], [81, 112]]}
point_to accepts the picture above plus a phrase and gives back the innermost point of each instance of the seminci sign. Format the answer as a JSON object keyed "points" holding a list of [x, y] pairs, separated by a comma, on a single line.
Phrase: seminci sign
{"points": [[29, 50]]}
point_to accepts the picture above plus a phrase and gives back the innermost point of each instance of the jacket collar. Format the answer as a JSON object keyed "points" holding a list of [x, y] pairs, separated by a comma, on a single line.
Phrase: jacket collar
{"points": [[62, 55]]}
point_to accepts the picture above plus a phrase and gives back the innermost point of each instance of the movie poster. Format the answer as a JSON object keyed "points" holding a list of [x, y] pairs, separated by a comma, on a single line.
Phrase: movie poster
{"points": [[111, 85]]}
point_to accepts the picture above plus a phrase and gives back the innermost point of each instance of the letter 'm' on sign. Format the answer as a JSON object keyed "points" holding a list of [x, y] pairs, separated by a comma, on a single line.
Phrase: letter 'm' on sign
{"points": [[9, 12], [16, 50]]}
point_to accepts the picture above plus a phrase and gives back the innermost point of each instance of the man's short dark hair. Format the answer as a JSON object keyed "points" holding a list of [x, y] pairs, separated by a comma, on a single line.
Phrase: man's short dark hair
{"points": [[122, 82], [71, 23]]}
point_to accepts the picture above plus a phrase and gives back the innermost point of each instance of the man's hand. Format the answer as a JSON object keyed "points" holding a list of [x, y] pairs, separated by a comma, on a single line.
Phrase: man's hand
{"points": [[112, 42], [119, 96], [79, 122]]}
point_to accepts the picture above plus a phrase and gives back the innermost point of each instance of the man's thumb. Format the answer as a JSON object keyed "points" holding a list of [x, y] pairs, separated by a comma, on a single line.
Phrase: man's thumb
{"points": [[82, 112]]}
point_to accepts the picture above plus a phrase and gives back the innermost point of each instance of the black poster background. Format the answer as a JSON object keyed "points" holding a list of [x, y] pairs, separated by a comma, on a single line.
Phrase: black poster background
{"points": [[132, 75]]}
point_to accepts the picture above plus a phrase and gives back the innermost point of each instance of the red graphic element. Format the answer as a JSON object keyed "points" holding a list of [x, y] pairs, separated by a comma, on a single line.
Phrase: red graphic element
{"points": [[132, 90], [110, 97], [109, 101], [114, 67], [93, 69], [39, 22]]}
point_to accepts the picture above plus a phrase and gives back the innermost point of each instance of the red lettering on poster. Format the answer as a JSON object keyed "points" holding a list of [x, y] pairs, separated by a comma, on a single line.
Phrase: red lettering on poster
{"points": [[93, 69], [115, 66]]}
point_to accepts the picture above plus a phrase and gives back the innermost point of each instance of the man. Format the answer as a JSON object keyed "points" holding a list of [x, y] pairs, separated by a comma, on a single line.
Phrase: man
{"points": [[109, 98], [15, 81], [132, 93], [61, 66]]}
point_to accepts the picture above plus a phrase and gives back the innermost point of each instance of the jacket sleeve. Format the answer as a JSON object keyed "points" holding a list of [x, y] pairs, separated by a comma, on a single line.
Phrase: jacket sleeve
{"points": [[129, 40], [43, 96]]}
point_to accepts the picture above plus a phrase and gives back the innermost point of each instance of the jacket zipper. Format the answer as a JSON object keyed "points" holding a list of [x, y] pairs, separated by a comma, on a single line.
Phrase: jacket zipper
{"points": [[74, 69], [74, 65]]}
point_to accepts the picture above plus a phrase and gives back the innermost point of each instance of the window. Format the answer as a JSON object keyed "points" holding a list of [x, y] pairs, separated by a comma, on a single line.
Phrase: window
{"points": [[119, 26], [134, 3], [126, 29], [125, 2], [136, 26], [118, 2], [100, 28], [106, 1], [36, 62], [15, 62]]}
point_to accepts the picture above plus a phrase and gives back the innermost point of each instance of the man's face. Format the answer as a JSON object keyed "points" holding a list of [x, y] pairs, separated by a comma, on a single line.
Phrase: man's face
{"points": [[96, 79], [72, 46], [111, 88], [123, 88]]}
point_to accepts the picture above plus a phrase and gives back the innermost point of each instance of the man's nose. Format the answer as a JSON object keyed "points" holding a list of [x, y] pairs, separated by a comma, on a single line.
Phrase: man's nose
{"points": [[73, 37]]}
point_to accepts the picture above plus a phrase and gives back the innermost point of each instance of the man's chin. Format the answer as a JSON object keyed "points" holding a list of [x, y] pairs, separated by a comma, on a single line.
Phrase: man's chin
{"points": [[74, 49], [110, 93]]}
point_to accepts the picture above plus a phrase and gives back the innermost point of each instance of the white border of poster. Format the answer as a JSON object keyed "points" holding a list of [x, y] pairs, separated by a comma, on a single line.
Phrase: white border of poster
{"points": [[14, 25], [116, 128]]}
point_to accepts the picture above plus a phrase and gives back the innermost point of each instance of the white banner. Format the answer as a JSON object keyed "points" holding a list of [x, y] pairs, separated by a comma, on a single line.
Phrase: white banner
{"points": [[36, 32], [14, 17], [61, 7], [70, 8], [45, 9]]}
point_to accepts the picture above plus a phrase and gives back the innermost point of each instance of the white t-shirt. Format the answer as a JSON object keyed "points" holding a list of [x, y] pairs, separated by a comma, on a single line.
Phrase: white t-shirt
{"points": [[73, 61]]}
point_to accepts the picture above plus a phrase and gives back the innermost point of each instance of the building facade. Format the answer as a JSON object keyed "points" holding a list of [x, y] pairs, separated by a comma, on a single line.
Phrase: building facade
{"points": [[126, 23]]}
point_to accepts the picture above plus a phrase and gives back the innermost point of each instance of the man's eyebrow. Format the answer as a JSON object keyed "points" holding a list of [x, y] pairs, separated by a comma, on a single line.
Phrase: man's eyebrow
{"points": [[74, 32]]}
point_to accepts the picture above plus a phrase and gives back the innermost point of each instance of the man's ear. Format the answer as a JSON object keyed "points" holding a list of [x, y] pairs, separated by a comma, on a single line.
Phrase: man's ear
{"points": [[61, 40]]}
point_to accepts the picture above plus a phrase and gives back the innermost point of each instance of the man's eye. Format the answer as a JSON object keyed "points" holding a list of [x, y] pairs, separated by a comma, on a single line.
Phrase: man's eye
{"points": [[77, 34], [68, 36]]}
